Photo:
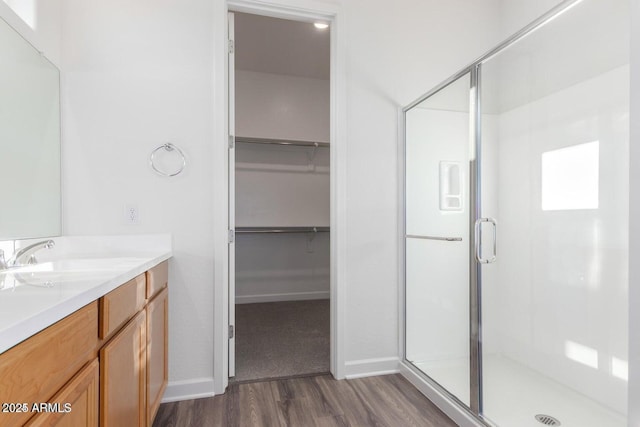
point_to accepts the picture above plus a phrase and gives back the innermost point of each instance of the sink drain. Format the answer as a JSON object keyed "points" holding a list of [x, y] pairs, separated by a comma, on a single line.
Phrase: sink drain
{"points": [[547, 420]]}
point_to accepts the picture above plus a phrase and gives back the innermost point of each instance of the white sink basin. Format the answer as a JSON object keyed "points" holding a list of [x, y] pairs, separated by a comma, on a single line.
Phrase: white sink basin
{"points": [[66, 270], [80, 265]]}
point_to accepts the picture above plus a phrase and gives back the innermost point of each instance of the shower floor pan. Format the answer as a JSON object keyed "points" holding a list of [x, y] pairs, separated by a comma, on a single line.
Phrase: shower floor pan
{"points": [[514, 395]]}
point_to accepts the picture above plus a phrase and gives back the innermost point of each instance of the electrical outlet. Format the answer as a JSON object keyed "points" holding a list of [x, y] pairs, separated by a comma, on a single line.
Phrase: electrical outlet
{"points": [[131, 214]]}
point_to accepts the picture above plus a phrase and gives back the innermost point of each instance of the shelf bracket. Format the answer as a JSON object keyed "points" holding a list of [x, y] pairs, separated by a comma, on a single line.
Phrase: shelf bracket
{"points": [[312, 155], [310, 237]]}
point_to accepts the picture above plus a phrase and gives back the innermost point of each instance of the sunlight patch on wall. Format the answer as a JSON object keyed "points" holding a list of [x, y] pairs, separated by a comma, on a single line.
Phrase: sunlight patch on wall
{"points": [[570, 177], [581, 354], [26, 10], [620, 368]]}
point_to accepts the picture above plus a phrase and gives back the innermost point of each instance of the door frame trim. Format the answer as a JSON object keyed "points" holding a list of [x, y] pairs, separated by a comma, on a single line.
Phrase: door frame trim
{"points": [[301, 10], [475, 276]]}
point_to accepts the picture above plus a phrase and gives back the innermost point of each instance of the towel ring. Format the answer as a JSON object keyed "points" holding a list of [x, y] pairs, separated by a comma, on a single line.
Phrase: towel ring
{"points": [[168, 147]]}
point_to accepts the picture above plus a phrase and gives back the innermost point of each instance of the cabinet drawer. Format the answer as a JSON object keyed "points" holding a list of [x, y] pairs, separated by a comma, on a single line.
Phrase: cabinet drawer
{"points": [[120, 305], [157, 278], [34, 370], [78, 402]]}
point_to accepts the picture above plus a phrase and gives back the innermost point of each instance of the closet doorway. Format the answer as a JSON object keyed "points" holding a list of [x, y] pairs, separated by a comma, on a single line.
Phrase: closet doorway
{"points": [[279, 185]]}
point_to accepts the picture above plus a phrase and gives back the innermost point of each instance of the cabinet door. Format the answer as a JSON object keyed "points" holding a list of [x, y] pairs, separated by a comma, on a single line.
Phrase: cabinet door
{"points": [[123, 376], [75, 405], [157, 345]]}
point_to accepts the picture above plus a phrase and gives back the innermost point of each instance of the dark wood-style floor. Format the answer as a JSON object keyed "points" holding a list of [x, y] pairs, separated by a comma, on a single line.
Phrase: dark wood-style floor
{"points": [[388, 400]]}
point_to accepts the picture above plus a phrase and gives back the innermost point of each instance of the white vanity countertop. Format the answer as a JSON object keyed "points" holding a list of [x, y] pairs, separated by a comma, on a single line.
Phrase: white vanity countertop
{"points": [[77, 271]]}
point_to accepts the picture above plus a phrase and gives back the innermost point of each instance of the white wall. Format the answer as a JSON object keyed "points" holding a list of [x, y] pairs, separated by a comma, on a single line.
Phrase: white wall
{"points": [[280, 106], [281, 186], [284, 267], [515, 14], [395, 53], [138, 75]]}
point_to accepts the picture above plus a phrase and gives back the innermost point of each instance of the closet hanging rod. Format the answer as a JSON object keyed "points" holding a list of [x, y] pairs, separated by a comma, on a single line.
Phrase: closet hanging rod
{"points": [[282, 230], [268, 141]]}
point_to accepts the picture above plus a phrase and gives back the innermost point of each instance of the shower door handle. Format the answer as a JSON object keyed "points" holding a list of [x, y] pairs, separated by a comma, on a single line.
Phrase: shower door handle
{"points": [[478, 240]]}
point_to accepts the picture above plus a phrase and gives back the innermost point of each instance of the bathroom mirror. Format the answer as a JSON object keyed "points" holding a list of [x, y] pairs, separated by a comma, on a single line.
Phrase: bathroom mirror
{"points": [[30, 202]]}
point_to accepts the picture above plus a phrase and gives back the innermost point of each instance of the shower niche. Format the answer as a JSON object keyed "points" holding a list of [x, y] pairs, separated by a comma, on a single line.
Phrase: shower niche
{"points": [[451, 186]]}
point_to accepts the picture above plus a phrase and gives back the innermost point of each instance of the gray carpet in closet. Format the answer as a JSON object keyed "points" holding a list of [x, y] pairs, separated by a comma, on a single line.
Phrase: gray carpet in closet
{"points": [[281, 339]]}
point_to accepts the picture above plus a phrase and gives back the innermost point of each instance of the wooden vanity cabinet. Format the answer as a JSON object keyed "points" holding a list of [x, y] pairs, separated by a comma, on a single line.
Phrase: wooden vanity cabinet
{"points": [[38, 368], [107, 362], [133, 363]]}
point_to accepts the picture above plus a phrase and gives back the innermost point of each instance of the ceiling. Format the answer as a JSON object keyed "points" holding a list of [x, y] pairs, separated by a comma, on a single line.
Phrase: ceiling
{"points": [[280, 46]]}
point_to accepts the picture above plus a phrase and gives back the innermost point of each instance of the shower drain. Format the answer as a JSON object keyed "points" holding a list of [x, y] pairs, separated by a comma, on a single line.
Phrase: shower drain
{"points": [[547, 420]]}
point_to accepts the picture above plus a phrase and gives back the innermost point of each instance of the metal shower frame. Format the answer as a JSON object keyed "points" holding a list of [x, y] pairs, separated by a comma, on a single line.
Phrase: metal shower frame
{"points": [[475, 278]]}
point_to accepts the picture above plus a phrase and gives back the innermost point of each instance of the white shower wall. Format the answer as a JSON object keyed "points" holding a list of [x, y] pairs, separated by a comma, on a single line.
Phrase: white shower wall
{"points": [[559, 304]]}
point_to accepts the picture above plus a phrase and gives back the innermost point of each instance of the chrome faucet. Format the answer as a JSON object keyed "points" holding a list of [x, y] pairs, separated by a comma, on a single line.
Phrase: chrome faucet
{"points": [[28, 253], [3, 262]]}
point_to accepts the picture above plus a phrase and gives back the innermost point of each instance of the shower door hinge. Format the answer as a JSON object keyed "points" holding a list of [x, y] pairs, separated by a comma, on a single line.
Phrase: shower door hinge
{"points": [[232, 236], [231, 331], [231, 46], [232, 140]]}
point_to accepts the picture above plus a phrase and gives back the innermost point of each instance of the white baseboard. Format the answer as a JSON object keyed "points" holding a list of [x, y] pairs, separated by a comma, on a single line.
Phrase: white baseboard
{"points": [[452, 409], [189, 389], [371, 367], [292, 296]]}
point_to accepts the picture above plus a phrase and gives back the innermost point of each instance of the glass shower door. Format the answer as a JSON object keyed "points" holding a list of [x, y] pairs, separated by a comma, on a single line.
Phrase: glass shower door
{"points": [[437, 237], [555, 143]]}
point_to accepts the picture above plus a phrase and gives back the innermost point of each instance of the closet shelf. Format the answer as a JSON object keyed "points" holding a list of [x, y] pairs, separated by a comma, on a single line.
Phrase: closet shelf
{"points": [[282, 230], [268, 141]]}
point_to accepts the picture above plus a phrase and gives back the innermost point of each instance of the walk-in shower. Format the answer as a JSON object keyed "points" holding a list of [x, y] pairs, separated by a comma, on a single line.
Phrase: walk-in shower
{"points": [[516, 225]]}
